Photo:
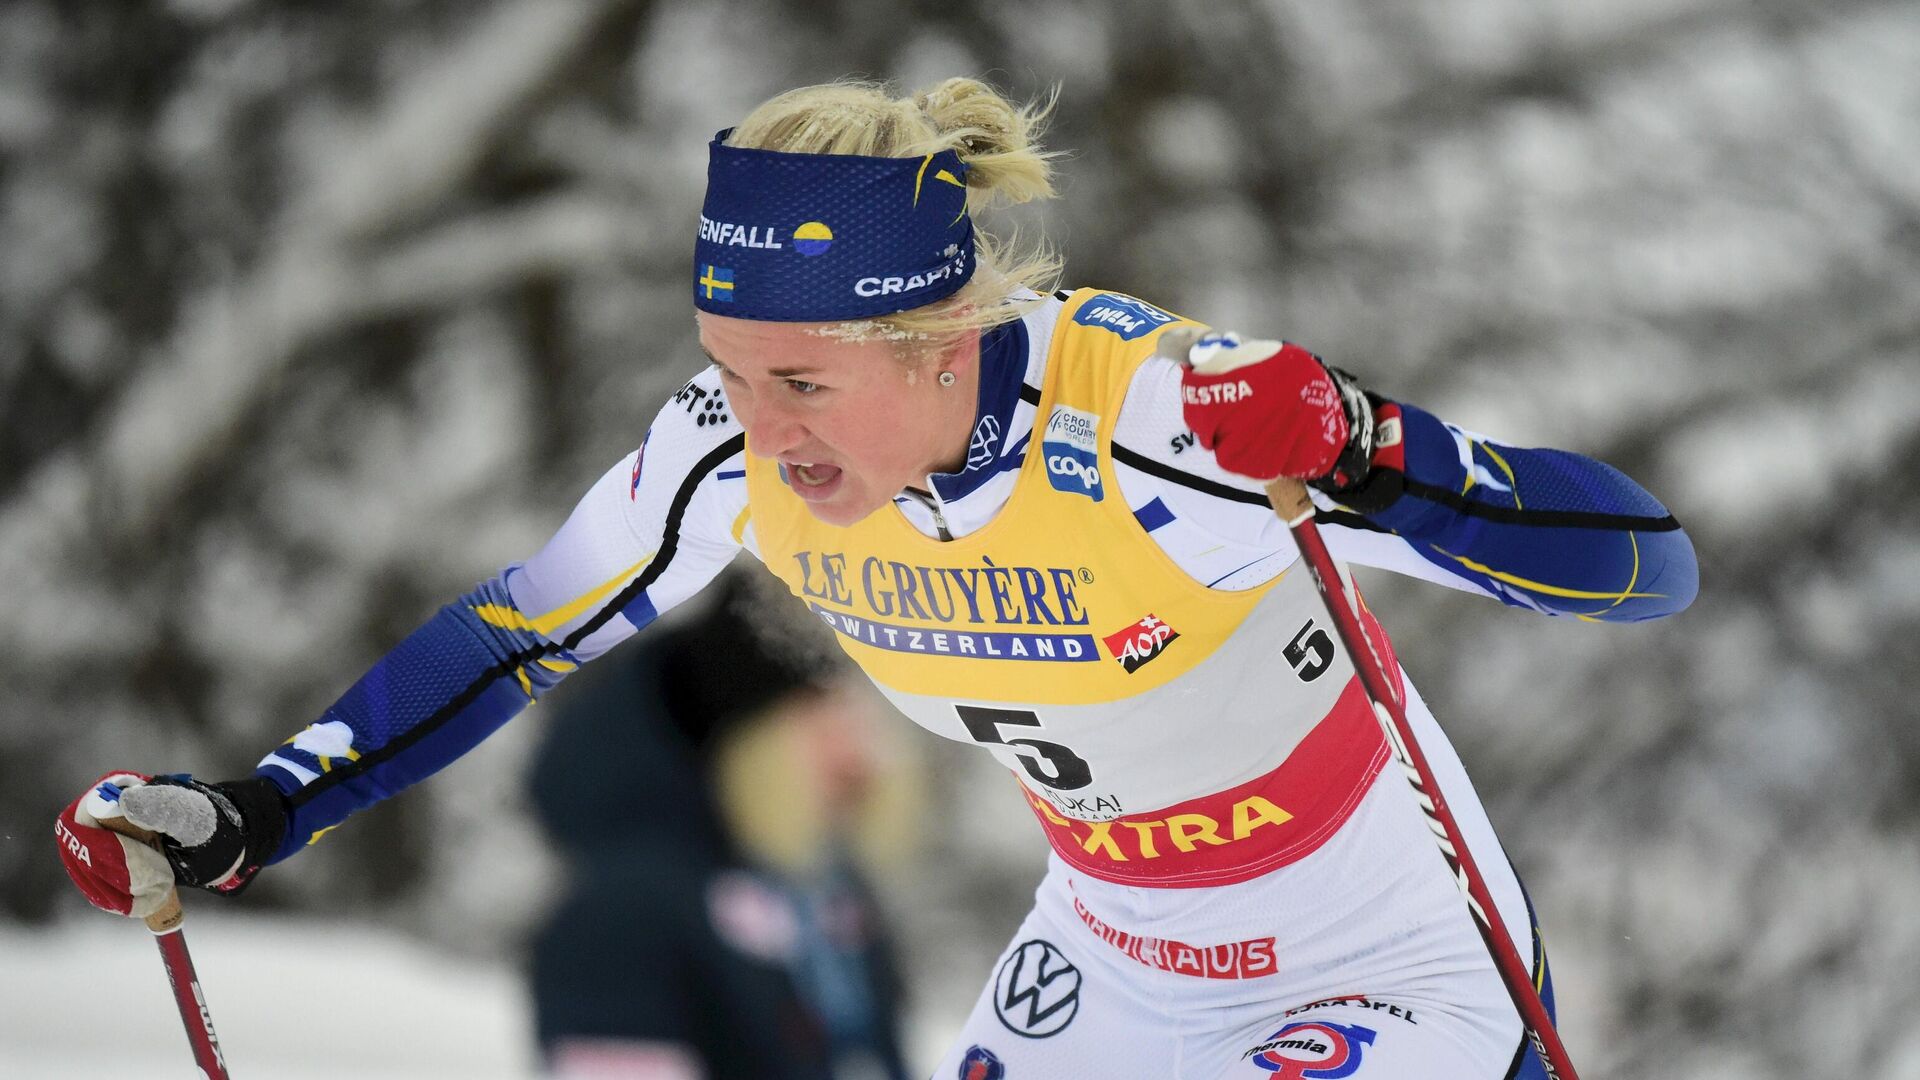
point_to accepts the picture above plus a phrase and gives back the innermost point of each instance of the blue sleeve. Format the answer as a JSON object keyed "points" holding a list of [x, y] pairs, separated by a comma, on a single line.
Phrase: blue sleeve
{"points": [[651, 532], [450, 684], [1542, 529]]}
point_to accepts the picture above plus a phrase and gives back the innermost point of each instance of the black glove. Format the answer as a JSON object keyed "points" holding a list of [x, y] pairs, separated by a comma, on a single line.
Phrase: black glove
{"points": [[215, 836], [1363, 477]]}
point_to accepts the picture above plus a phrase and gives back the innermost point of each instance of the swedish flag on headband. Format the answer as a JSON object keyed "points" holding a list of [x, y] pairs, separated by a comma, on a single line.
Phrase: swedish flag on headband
{"points": [[824, 237], [715, 286]]}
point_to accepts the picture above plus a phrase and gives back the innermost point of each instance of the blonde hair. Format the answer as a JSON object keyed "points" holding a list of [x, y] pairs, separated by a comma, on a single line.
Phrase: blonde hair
{"points": [[994, 136]]}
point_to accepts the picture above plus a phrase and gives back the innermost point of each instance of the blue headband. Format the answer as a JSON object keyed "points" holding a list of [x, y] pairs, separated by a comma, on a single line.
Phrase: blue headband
{"points": [[825, 237]]}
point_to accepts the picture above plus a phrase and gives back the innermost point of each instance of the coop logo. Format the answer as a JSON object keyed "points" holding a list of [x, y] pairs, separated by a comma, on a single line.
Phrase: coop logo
{"points": [[1312, 1050], [1037, 990], [1141, 642], [1123, 315], [1070, 448]]}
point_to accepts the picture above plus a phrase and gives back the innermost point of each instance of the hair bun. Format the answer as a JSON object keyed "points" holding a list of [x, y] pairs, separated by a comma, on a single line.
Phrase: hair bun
{"points": [[995, 137]]}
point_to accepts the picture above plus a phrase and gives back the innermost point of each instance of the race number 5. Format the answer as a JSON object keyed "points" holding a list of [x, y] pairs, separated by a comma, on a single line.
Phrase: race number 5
{"points": [[1310, 652], [1057, 767]]}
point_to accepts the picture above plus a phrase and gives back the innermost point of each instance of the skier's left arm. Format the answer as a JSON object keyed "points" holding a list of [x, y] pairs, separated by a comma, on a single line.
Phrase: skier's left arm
{"points": [[1543, 529]]}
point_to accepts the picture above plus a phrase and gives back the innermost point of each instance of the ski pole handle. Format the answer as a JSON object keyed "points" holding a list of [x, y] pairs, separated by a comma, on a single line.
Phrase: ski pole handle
{"points": [[1290, 500], [170, 915], [187, 995]]}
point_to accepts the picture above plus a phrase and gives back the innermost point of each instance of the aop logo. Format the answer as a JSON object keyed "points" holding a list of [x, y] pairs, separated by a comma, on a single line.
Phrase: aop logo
{"points": [[1313, 1050], [1141, 642], [1037, 991]]}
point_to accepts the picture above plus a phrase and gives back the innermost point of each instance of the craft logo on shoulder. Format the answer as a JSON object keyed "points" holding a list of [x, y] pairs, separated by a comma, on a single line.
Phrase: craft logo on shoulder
{"points": [[1141, 642], [949, 266], [981, 1063], [1037, 990], [1070, 448], [1313, 1050], [1123, 315], [732, 234]]}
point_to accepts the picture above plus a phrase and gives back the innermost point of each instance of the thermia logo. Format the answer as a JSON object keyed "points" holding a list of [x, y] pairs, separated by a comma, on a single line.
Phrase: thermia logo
{"points": [[1123, 315], [1071, 451], [1313, 1051]]}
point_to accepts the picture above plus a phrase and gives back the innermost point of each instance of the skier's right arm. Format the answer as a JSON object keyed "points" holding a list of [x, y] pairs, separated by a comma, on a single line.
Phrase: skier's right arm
{"points": [[651, 532]]}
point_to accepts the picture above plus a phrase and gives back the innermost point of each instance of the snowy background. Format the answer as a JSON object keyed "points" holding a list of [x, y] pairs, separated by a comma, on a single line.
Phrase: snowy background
{"points": [[313, 315]]}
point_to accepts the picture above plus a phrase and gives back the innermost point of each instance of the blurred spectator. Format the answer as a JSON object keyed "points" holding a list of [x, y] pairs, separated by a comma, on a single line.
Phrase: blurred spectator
{"points": [[711, 795]]}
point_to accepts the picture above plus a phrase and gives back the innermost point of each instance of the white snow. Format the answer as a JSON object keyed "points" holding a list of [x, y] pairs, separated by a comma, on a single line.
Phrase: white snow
{"points": [[292, 999]]}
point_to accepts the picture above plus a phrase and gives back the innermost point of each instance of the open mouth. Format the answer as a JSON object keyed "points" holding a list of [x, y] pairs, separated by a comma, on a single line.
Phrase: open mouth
{"points": [[811, 479]]}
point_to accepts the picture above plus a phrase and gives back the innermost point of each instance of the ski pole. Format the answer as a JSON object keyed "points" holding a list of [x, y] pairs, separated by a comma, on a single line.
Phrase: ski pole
{"points": [[165, 924], [1290, 500]]}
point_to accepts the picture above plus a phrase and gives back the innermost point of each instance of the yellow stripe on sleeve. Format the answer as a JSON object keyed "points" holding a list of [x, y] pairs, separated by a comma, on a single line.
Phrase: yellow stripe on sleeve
{"points": [[1552, 590], [510, 618], [1635, 578], [566, 613], [1512, 482], [740, 523], [503, 616]]}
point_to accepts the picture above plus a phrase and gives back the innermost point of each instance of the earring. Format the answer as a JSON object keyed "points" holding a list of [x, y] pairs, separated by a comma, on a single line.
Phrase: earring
{"points": [[946, 378]]}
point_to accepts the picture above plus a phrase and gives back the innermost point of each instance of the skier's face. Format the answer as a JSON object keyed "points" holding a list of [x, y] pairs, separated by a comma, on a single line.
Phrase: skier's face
{"points": [[852, 421]]}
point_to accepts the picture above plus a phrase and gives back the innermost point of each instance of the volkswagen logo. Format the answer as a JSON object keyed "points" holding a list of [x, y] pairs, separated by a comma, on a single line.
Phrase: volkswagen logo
{"points": [[1037, 991]]}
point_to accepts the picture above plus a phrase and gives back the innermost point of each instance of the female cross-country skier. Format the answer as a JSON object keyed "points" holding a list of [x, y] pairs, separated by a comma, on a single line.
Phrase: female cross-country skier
{"points": [[1037, 536]]}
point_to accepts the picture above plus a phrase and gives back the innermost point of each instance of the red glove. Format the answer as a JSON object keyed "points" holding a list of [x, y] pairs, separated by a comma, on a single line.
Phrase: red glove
{"points": [[212, 836], [1265, 408], [115, 873]]}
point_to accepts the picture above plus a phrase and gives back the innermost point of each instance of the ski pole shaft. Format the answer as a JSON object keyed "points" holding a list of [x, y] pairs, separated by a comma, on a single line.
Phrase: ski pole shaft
{"points": [[1290, 500], [187, 995]]}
